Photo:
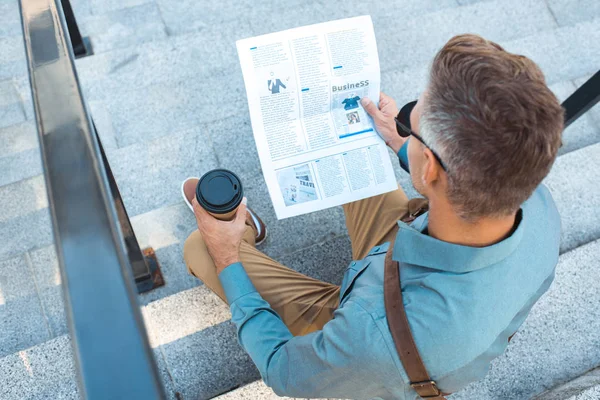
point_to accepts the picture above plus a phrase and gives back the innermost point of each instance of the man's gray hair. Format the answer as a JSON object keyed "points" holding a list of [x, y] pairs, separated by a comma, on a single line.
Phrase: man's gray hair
{"points": [[491, 118]]}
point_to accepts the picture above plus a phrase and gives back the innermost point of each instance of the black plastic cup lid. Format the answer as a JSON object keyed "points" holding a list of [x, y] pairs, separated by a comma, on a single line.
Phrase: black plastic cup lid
{"points": [[219, 191]]}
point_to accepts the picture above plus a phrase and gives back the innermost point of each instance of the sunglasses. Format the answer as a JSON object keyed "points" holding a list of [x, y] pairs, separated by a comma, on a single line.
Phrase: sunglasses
{"points": [[404, 129]]}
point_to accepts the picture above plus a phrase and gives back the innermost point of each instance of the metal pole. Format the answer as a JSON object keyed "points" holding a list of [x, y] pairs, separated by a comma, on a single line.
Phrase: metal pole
{"points": [[582, 100], [144, 264], [112, 354], [82, 46]]}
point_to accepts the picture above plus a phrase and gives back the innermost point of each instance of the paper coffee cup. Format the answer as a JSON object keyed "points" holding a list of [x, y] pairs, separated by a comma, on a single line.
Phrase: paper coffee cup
{"points": [[220, 193]]}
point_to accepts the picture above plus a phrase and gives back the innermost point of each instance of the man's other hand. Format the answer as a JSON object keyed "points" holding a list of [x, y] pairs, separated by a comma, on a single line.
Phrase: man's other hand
{"points": [[384, 120], [222, 238]]}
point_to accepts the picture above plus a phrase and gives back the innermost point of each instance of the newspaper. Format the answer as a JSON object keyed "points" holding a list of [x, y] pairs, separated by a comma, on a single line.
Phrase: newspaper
{"points": [[317, 146]]}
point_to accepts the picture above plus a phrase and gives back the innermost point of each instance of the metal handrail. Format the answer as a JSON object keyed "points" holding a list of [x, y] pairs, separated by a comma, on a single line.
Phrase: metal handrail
{"points": [[111, 350], [584, 98]]}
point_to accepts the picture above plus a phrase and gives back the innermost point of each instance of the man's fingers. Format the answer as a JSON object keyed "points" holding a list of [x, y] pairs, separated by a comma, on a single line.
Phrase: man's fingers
{"points": [[370, 107], [240, 216], [202, 216], [198, 210]]}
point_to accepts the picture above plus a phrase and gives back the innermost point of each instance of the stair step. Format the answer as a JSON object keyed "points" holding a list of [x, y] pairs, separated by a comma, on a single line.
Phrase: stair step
{"points": [[178, 94], [567, 14], [123, 27], [12, 62], [18, 138], [22, 321], [198, 342], [255, 390], [24, 233], [183, 314], [11, 109], [501, 21], [22, 198], [585, 387], [47, 371], [573, 183]]}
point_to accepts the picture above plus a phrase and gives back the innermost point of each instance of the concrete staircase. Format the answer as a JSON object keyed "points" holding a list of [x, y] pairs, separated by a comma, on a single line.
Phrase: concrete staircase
{"points": [[166, 93]]}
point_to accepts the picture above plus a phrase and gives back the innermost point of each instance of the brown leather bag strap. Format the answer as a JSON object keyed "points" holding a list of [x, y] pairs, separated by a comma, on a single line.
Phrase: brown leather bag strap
{"points": [[402, 335]]}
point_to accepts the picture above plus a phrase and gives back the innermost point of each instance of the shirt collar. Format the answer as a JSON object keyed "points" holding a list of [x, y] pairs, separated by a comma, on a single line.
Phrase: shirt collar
{"points": [[414, 247]]}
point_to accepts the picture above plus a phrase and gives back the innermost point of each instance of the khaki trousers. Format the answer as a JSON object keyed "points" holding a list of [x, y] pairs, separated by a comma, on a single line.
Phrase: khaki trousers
{"points": [[304, 304]]}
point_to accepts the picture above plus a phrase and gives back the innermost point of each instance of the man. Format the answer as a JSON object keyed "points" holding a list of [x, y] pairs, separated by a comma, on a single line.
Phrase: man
{"points": [[483, 135]]}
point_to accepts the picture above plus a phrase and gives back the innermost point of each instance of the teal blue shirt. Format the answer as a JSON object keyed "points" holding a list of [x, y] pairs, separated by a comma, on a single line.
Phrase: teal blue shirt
{"points": [[462, 304]]}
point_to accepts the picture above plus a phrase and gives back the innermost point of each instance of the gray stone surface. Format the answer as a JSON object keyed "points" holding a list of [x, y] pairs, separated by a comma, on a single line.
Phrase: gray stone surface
{"points": [[577, 389], [317, 12], [209, 362], [150, 174], [423, 36], [183, 314], [567, 13], [590, 394], [233, 143], [582, 132], [326, 261], [467, 2], [188, 15], [12, 60], [29, 164], [45, 371], [103, 123], [559, 340], [110, 71], [11, 109], [81, 8], [556, 53], [15, 280], [22, 322], [573, 182], [18, 138], [166, 108], [123, 28], [165, 230], [106, 6], [46, 274], [23, 197], [10, 20], [174, 273], [164, 227], [255, 390], [24, 233], [21, 84]]}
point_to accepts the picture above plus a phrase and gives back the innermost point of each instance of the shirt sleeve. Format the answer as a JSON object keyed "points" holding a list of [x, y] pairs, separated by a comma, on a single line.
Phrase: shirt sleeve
{"points": [[403, 156], [319, 364]]}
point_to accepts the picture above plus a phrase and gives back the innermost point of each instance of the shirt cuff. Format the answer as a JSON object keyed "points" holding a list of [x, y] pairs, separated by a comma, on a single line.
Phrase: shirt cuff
{"points": [[235, 282], [403, 156]]}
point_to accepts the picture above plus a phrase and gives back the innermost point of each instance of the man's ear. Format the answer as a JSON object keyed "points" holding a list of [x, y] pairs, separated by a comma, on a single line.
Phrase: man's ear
{"points": [[431, 169]]}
